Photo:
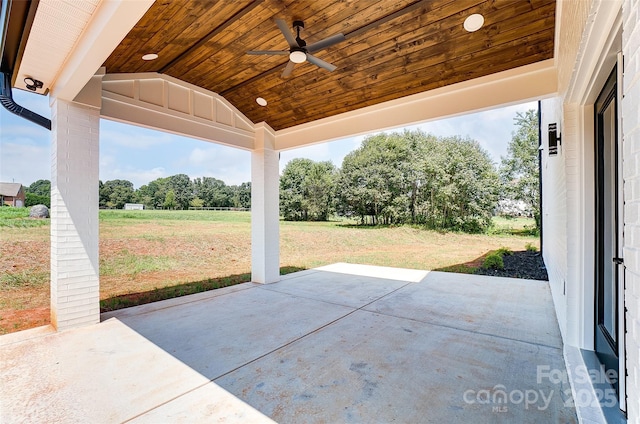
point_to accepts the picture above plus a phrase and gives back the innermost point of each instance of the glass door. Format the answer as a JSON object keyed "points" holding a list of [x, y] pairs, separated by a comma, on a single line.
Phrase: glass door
{"points": [[609, 265]]}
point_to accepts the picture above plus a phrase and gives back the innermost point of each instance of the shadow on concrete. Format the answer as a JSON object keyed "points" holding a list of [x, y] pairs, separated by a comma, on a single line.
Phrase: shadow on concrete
{"points": [[329, 345], [141, 298], [342, 343]]}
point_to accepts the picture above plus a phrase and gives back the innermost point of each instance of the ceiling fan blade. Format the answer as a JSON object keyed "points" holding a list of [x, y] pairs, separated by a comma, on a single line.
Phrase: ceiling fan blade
{"points": [[321, 63], [284, 29], [327, 42], [288, 69], [278, 52]]}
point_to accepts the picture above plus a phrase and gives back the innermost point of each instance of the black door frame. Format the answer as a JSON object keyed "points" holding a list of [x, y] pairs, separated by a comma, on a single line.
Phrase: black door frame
{"points": [[605, 346]]}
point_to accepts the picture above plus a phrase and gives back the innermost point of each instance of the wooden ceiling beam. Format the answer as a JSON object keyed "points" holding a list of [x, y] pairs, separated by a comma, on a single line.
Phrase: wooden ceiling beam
{"points": [[474, 65], [420, 49], [407, 9], [211, 34], [393, 48]]}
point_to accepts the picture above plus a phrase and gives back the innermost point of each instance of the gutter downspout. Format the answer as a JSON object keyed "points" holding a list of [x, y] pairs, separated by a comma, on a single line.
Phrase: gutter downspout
{"points": [[6, 98]]}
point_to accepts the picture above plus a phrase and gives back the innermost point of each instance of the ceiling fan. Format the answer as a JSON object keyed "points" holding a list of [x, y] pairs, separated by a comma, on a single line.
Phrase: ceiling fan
{"points": [[298, 50]]}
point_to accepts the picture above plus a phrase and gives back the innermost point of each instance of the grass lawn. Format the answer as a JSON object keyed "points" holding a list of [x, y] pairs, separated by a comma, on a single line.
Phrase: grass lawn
{"points": [[151, 255]]}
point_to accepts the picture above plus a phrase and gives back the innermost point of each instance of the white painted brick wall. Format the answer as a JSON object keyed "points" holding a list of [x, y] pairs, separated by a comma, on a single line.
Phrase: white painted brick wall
{"points": [[554, 212], [631, 162], [265, 209], [574, 15], [75, 285]]}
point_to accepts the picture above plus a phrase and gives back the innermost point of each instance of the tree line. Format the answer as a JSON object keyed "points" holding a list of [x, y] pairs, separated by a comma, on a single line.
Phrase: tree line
{"points": [[174, 192], [398, 178], [447, 183]]}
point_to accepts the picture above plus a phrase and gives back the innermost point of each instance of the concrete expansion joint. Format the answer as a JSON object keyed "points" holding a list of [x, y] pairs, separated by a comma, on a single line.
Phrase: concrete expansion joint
{"points": [[361, 308]]}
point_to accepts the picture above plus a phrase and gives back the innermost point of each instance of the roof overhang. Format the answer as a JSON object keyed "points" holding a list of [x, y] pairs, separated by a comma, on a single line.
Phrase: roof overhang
{"points": [[527, 83], [70, 40], [16, 18], [83, 41]]}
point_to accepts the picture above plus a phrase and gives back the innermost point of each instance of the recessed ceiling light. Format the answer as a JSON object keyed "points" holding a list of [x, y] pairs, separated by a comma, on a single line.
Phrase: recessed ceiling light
{"points": [[474, 22], [150, 56], [261, 101]]}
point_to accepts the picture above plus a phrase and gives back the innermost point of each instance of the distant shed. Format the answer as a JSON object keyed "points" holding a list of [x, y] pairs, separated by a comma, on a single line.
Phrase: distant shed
{"points": [[12, 194], [133, 207]]}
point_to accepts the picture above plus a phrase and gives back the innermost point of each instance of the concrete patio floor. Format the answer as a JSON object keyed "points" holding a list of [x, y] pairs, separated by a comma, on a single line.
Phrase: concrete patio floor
{"points": [[342, 343]]}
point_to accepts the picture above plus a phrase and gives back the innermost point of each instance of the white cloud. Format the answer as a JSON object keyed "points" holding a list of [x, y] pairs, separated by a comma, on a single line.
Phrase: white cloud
{"points": [[138, 177], [316, 152], [233, 166], [131, 137], [491, 128], [107, 161], [333, 151], [141, 155], [29, 131], [24, 163]]}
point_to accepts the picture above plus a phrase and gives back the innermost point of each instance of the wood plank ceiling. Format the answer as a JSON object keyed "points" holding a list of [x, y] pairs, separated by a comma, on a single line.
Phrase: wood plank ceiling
{"points": [[393, 48]]}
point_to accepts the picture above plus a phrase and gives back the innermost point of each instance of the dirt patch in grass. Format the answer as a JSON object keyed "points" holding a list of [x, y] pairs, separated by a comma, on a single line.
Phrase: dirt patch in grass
{"points": [[12, 320]]}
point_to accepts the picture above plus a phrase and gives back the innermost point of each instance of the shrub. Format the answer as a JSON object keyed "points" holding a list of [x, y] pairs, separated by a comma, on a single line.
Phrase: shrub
{"points": [[503, 251], [32, 199], [494, 261]]}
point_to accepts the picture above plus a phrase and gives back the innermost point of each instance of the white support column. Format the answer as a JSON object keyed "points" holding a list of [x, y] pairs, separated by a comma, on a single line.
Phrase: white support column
{"points": [[75, 297], [265, 214]]}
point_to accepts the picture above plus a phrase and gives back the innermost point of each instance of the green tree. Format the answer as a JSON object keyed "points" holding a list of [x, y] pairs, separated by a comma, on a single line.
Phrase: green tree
{"points": [[196, 202], [318, 188], [519, 170], [306, 190], [241, 195], [459, 187], [442, 183], [36, 199], [152, 195], [291, 189], [40, 187], [213, 192], [115, 193], [182, 188], [374, 180], [38, 193], [170, 200]]}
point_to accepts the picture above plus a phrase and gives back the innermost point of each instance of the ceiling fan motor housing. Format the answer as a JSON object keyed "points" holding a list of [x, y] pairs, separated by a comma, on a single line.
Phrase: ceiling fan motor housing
{"points": [[298, 51], [297, 26]]}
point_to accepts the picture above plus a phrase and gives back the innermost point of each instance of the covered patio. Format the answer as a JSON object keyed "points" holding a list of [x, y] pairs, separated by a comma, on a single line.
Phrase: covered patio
{"points": [[341, 343], [383, 346]]}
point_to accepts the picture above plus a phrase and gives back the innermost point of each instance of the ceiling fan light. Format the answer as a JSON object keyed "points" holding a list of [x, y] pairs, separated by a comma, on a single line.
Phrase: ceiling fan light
{"points": [[297, 56]]}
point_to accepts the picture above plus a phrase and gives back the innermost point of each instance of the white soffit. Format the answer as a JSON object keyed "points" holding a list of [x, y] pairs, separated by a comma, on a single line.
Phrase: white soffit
{"points": [[70, 39], [57, 26], [165, 103], [519, 85]]}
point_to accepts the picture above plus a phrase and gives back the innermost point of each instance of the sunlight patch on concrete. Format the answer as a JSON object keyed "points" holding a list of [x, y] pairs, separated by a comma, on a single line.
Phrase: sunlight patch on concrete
{"points": [[400, 274]]}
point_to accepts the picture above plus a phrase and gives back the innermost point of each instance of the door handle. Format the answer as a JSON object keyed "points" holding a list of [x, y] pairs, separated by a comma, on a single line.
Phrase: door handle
{"points": [[618, 261]]}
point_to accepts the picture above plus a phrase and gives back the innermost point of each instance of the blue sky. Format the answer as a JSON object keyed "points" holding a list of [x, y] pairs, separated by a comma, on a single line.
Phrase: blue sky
{"points": [[141, 155]]}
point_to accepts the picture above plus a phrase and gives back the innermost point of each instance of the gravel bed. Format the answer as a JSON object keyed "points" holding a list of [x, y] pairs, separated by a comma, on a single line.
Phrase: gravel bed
{"points": [[523, 264]]}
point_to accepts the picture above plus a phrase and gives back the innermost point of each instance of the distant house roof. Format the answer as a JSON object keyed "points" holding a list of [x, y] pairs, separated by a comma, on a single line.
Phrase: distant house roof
{"points": [[10, 189]]}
